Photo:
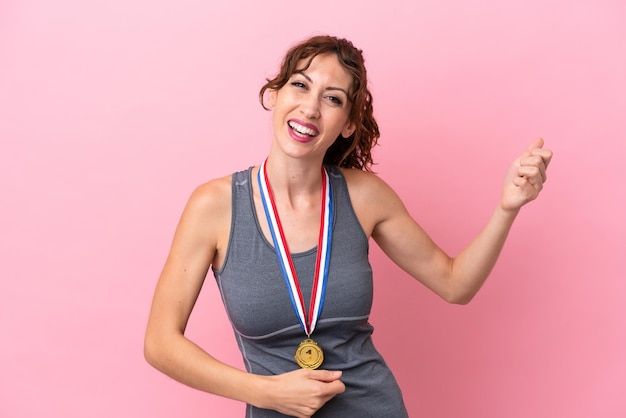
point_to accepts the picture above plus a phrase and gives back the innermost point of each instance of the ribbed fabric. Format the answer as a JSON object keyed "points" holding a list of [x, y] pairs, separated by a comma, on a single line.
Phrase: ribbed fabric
{"points": [[265, 324]]}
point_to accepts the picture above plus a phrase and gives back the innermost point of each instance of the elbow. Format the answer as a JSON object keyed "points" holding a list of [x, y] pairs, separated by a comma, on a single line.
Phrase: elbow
{"points": [[460, 301], [152, 351], [458, 293], [459, 298], [149, 352]]}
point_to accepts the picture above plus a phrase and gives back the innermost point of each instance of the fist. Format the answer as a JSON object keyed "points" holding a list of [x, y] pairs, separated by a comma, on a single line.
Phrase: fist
{"points": [[526, 176]]}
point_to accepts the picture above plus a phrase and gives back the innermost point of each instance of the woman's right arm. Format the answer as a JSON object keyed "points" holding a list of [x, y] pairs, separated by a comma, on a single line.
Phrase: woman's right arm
{"points": [[201, 238], [196, 243]]}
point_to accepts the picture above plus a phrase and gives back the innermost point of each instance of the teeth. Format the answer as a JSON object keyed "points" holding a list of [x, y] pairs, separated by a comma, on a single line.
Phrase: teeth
{"points": [[302, 129]]}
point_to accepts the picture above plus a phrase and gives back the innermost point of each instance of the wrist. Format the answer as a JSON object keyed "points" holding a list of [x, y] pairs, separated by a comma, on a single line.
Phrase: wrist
{"points": [[260, 390], [506, 214]]}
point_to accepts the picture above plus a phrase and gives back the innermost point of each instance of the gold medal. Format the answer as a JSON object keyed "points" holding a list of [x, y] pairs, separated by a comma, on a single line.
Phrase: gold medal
{"points": [[309, 355]]}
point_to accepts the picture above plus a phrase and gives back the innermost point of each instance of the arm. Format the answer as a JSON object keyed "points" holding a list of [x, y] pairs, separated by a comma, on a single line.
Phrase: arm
{"points": [[458, 279], [201, 237]]}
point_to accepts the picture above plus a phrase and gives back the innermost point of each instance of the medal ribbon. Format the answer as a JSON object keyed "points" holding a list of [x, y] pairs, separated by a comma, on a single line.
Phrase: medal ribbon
{"points": [[322, 261]]}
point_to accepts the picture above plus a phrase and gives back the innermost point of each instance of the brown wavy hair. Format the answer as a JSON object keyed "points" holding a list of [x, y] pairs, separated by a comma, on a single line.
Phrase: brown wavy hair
{"points": [[356, 150]]}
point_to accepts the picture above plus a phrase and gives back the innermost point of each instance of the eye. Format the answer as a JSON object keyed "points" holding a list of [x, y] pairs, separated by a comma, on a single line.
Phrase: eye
{"points": [[336, 100], [298, 84]]}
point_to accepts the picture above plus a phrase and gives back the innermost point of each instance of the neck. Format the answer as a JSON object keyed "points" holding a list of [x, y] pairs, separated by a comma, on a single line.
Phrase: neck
{"points": [[294, 173], [294, 180]]}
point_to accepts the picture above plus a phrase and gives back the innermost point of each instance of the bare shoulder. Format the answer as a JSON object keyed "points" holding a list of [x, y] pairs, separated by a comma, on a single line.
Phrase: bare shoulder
{"points": [[214, 195], [365, 186], [372, 198], [355, 177], [205, 223]]}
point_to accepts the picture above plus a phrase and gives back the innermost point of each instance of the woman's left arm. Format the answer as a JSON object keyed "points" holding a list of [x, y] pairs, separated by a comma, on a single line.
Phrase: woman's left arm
{"points": [[457, 279]]}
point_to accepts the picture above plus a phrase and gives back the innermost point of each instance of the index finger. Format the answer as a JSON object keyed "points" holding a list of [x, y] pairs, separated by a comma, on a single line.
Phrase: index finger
{"points": [[545, 154]]}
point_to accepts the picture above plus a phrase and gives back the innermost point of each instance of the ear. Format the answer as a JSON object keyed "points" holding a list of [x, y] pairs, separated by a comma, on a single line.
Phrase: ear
{"points": [[348, 130], [271, 98]]}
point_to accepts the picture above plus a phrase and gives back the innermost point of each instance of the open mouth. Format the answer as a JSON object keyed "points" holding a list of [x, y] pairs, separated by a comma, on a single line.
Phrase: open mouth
{"points": [[302, 130]]}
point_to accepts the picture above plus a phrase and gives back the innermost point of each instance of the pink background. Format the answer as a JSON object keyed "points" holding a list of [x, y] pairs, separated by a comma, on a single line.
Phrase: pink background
{"points": [[111, 112]]}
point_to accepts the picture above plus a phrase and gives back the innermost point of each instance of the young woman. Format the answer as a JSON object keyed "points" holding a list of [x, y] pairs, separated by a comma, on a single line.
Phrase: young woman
{"points": [[288, 241]]}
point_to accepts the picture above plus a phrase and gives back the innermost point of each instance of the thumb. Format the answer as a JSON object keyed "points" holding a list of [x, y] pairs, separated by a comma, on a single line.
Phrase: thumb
{"points": [[536, 144], [327, 375]]}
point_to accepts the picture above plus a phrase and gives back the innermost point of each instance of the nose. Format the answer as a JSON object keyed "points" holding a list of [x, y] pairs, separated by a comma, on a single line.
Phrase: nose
{"points": [[310, 106]]}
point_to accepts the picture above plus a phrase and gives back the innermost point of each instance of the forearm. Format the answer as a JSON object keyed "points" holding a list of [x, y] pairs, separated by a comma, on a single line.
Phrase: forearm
{"points": [[186, 362], [470, 268]]}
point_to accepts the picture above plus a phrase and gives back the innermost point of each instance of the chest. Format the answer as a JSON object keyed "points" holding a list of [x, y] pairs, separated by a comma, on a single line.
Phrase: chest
{"points": [[252, 284], [300, 226]]}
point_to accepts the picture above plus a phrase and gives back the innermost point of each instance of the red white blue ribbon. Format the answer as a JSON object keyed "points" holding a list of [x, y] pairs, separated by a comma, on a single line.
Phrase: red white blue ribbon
{"points": [[307, 321]]}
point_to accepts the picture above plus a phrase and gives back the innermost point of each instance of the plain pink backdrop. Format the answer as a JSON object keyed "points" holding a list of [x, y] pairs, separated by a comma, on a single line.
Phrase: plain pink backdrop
{"points": [[111, 112]]}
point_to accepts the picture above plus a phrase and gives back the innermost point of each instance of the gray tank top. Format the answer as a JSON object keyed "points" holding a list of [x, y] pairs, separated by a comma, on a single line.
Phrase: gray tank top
{"points": [[266, 327]]}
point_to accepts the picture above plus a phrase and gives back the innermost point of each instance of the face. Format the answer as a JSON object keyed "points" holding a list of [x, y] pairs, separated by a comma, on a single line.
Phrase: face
{"points": [[312, 109]]}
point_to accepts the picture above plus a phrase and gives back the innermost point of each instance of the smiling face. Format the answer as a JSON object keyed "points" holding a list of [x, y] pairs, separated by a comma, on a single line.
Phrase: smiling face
{"points": [[313, 108]]}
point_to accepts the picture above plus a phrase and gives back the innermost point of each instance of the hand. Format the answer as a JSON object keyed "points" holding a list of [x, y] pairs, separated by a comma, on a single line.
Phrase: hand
{"points": [[301, 393], [526, 177]]}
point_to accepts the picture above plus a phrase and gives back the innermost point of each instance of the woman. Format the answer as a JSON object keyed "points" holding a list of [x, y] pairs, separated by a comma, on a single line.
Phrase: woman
{"points": [[288, 243]]}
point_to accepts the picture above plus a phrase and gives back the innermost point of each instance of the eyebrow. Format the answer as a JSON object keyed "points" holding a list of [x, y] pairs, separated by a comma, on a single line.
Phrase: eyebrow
{"points": [[327, 88]]}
